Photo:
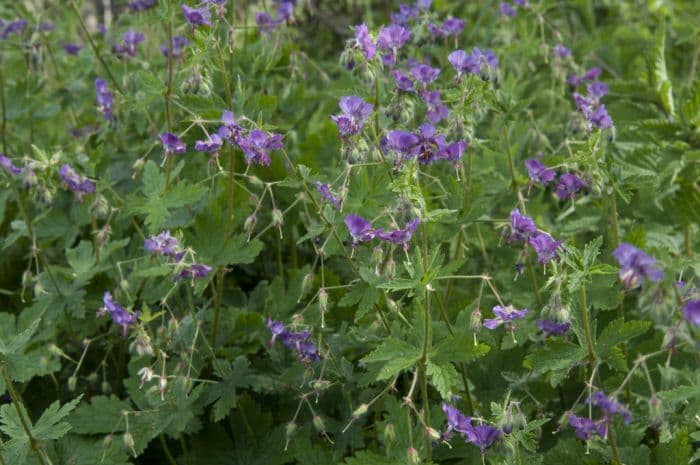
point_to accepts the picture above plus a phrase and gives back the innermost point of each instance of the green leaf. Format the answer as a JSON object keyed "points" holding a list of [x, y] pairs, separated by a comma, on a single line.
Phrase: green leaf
{"points": [[82, 261], [675, 452], [233, 375], [617, 332], [443, 377], [660, 78], [395, 356], [556, 358], [51, 425], [459, 348], [365, 457]]}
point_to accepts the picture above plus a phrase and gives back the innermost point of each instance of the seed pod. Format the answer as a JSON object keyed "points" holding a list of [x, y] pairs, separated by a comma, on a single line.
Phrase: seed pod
{"points": [[319, 424]]}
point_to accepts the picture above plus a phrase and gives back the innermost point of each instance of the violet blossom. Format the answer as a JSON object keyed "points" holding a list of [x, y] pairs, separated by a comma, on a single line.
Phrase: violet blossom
{"points": [[119, 315], [609, 407], [73, 181], [162, 244], [9, 166], [504, 316], [325, 191], [635, 266], [177, 45], [360, 229], [296, 341], [425, 74], [545, 247], [538, 172], [104, 99], [553, 328], [257, 146], [561, 51], [569, 185], [230, 131], [196, 16], [399, 236], [585, 428], [691, 312], [193, 271], [211, 144], [172, 144], [71, 49], [522, 226], [363, 41], [355, 113], [402, 81]]}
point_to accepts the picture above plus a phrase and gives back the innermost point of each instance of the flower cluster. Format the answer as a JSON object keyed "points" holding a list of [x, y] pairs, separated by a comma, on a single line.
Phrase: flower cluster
{"points": [[196, 16], [589, 105], [325, 191], [142, 5], [130, 39], [166, 245], [296, 341], [119, 315], [172, 144], [285, 9], [568, 186], [427, 145], [523, 228], [355, 113], [479, 62], [635, 266], [481, 435]]}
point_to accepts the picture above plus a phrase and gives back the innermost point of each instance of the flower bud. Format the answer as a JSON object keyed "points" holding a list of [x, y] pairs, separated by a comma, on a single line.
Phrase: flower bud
{"points": [[656, 411], [506, 423], [319, 424], [520, 421], [390, 268], [124, 285], [249, 224], [323, 300], [391, 304], [92, 377], [277, 217], [162, 385], [377, 255], [106, 388], [256, 181], [359, 411], [27, 278], [475, 321], [138, 164], [413, 456], [72, 383], [432, 433], [129, 442], [100, 206], [389, 433], [306, 284], [289, 430]]}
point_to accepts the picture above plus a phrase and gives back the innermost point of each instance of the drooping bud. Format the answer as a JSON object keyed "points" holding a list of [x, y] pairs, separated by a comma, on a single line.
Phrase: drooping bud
{"points": [[359, 411], [249, 224], [390, 268], [323, 299], [413, 456], [92, 377], [124, 285], [656, 411], [277, 217], [306, 284], [319, 424], [506, 423], [289, 430], [432, 433], [106, 388], [389, 432], [128, 439], [377, 256], [72, 383], [138, 164], [475, 320]]}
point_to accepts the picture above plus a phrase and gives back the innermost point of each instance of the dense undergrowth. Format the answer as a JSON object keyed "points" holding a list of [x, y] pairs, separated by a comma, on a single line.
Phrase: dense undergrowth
{"points": [[350, 232]]}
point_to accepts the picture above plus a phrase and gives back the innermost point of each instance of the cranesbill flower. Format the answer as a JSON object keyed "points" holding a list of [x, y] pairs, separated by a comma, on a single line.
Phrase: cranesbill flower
{"points": [[553, 328], [600, 118], [403, 143], [131, 40], [104, 99], [456, 420], [73, 181], [597, 89], [487, 58], [538, 172], [507, 9], [504, 315], [265, 22], [196, 16], [257, 146], [464, 63], [451, 27], [209, 145], [453, 151], [325, 191], [691, 312], [402, 81], [521, 226], [119, 315], [9, 166], [569, 185], [405, 14], [609, 407], [142, 5], [393, 37], [72, 49], [561, 51], [162, 244], [178, 44], [399, 236], [364, 42], [172, 144], [425, 74], [12, 27], [430, 144], [585, 428], [297, 341], [592, 74], [231, 131], [635, 266], [483, 436], [355, 113], [193, 271], [545, 247], [360, 229]]}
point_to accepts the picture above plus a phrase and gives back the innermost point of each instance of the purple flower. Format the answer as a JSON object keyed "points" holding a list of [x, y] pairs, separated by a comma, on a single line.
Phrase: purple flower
{"points": [[399, 236], [72, 49], [430, 145], [635, 266], [9, 166], [403, 143], [585, 428], [178, 44], [561, 51], [297, 341], [453, 151], [119, 315], [508, 10], [553, 328], [453, 26], [104, 99], [403, 82], [483, 436], [691, 312], [609, 407], [231, 131], [12, 27], [597, 89], [360, 229], [437, 111], [355, 113], [600, 118], [257, 146], [487, 58], [545, 247], [325, 191], [193, 271], [569, 185], [131, 40], [364, 42], [464, 63], [265, 22], [393, 37], [162, 244], [142, 5], [592, 74], [521, 226], [538, 172], [73, 181], [456, 420], [504, 315], [425, 74], [196, 16], [172, 144], [209, 145], [405, 14]]}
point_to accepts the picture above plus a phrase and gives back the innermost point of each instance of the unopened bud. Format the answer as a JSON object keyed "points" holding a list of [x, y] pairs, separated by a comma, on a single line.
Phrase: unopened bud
{"points": [[413, 456], [321, 385], [656, 411], [475, 321], [92, 377], [72, 383], [432, 433], [377, 255], [256, 181], [129, 442], [162, 385], [506, 422], [390, 268], [54, 349], [249, 224], [319, 424], [106, 388], [124, 285], [389, 432], [27, 278], [138, 164], [323, 300], [289, 430], [391, 304], [277, 217], [359, 411], [520, 421], [306, 285], [100, 206]]}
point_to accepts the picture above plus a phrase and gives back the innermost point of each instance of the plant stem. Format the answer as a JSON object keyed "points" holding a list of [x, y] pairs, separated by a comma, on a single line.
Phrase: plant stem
{"points": [[16, 402], [612, 440], [510, 161], [3, 125], [533, 280], [586, 323], [166, 449]]}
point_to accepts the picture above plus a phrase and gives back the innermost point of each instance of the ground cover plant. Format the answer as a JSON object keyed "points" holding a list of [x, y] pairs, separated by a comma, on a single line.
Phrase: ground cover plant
{"points": [[349, 232]]}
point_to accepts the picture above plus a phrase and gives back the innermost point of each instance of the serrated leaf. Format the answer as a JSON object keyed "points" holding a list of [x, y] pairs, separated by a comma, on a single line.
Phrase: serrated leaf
{"points": [[395, 355], [459, 348], [556, 358], [51, 425], [675, 452], [443, 377], [617, 332]]}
